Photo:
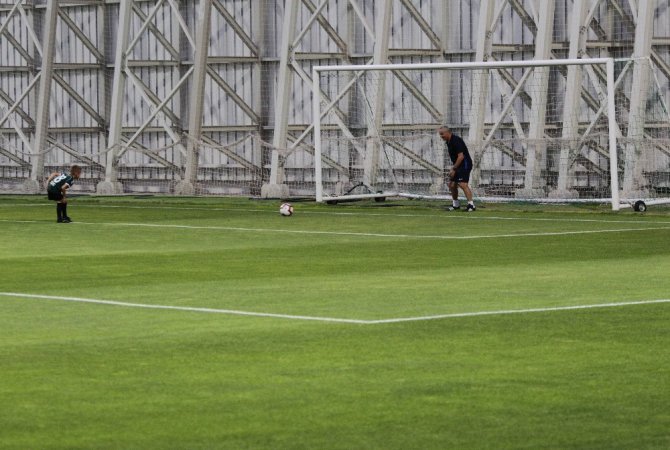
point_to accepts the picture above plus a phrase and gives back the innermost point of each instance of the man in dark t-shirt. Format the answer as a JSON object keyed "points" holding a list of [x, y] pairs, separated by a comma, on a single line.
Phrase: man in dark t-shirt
{"points": [[459, 174], [57, 185]]}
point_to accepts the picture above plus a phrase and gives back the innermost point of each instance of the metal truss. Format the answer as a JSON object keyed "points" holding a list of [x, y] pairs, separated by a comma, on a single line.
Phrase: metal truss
{"points": [[538, 20], [172, 113], [126, 72], [379, 33]]}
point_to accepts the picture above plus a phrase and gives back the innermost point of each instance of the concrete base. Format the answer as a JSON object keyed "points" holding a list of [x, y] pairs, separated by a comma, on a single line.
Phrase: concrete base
{"points": [[530, 193], [31, 187], [184, 188], [567, 194], [109, 188], [274, 191]]}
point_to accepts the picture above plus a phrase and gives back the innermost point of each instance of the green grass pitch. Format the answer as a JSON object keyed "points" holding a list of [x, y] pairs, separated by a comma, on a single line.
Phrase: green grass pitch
{"points": [[327, 364]]}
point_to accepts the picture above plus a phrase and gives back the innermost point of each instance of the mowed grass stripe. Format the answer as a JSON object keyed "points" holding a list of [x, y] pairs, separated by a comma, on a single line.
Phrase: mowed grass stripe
{"points": [[80, 375], [312, 209], [349, 233], [329, 319], [182, 308]]}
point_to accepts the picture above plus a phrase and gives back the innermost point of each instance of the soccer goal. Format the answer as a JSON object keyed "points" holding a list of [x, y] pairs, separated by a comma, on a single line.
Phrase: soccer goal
{"points": [[576, 130]]}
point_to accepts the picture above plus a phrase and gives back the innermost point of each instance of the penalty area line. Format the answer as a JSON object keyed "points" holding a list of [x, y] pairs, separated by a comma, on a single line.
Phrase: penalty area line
{"points": [[333, 319], [519, 311], [182, 308], [347, 233]]}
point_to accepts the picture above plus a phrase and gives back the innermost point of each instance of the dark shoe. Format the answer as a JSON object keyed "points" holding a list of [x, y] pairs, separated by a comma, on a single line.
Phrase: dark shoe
{"points": [[453, 208], [60, 220], [67, 220], [471, 208]]}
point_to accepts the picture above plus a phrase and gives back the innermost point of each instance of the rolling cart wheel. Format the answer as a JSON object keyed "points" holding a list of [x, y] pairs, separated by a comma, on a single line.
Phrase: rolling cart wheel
{"points": [[640, 206]]}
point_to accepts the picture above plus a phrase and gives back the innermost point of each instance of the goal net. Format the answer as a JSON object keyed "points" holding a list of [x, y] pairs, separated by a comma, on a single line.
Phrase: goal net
{"points": [[560, 130]]}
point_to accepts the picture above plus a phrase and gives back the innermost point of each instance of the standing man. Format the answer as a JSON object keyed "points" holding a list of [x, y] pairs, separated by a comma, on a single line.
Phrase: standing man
{"points": [[57, 186], [459, 174]]}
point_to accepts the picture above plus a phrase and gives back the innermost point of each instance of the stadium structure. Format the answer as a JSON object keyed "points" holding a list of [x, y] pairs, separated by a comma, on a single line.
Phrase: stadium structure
{"points": [[217, 96]]}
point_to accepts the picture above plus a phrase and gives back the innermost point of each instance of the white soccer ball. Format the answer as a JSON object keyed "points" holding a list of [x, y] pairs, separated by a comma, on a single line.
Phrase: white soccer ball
{"points": [[286, 209]]}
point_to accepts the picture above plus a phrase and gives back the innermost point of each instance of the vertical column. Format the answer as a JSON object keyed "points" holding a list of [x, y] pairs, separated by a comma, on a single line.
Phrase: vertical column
{"points": [[102, 24], [203, 26], [444, 10], [42, 120], [111, 184], [380, 56], [480, 87], [536, 154], [633, 181], [276, 188], [344, 180], [258, 25], [571, 108]]}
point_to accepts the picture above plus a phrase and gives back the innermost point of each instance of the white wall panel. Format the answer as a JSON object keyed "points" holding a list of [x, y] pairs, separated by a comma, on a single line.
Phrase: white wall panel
{"points": [[224, 41], [10, 55], [254, 82], [70, 48]]}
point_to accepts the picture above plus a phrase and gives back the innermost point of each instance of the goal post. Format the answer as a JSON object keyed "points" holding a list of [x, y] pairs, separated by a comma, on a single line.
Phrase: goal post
{"points": [[539, 130], [612, 137]]}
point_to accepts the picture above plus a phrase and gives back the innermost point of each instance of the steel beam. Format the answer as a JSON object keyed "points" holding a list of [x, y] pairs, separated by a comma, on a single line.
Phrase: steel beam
{"points": [[154, 30], [283, 91], [30, 59], [380, 56], [526, 18], [42, 120], [423, 23], [197, 93], [74, 153], [81, 101], [445, 15], [8, 18], [103, 82], [16, 105], [227, 150], [364, 20], [536, 155], [234, 96], [416, 92], [571, 107], [81, 35], [111, 185], [480, 86], [239, 31], [327, 26], [11, 156], [158, 110], [633, 181]]}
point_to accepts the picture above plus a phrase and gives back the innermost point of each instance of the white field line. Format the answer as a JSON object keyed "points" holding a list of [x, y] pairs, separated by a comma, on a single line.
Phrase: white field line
{"points": [[332, 319], [464, 216], [182, 308], [346, 233], [518, 311]]}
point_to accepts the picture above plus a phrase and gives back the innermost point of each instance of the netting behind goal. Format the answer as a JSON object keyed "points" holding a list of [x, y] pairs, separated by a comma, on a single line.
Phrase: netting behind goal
{"points": [[536, 130]]}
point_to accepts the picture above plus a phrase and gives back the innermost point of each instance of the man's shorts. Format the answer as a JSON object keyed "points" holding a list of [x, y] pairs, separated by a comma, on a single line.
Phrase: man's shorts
{"points": [[462, 175], [55, 195]]}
